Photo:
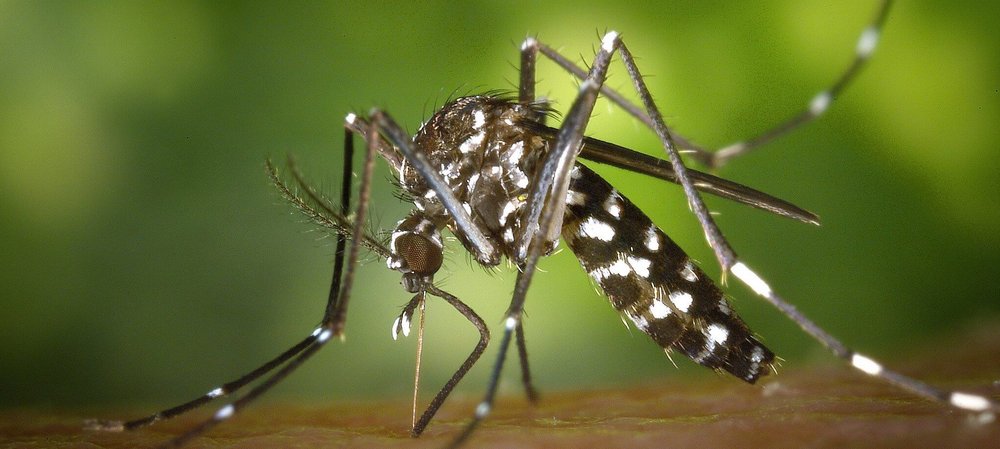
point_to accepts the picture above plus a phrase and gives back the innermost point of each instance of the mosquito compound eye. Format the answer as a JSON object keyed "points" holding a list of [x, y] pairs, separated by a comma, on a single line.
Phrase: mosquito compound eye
{"points": [[420, 254]]}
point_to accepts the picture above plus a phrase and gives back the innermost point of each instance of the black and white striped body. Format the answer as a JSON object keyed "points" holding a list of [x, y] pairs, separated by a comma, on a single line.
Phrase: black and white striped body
{"points": [[650, 280], [488, 160]]}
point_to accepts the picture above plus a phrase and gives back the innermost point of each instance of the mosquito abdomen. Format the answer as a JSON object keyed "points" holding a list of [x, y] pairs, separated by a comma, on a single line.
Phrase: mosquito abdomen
{"points": [[650, 280]]}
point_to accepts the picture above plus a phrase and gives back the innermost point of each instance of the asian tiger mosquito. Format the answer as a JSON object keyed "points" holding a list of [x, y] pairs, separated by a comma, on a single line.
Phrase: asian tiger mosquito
{"points": [[506, 185]]}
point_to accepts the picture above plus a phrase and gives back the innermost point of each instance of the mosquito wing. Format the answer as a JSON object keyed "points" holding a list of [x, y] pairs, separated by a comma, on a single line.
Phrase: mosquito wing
{"points": [[618, 156]]}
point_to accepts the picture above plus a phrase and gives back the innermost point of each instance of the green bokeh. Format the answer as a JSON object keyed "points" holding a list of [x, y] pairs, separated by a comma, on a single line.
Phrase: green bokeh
{"points": [[146, 258]]}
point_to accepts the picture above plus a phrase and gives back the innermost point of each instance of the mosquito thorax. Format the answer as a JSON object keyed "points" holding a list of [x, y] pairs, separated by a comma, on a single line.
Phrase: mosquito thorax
{"points": [[480, 148]]}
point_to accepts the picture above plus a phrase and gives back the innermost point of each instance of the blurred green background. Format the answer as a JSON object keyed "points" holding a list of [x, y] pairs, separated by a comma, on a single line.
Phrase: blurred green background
{"points": [[147, 259]]}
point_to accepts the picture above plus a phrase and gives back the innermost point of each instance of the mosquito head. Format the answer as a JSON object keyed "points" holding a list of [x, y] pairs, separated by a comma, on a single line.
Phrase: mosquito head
{"points": [[416, 250]]}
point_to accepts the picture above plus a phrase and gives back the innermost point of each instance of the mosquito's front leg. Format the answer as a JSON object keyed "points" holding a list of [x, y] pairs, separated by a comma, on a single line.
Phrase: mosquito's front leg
{"points": [[546, 206], [486, 251]]}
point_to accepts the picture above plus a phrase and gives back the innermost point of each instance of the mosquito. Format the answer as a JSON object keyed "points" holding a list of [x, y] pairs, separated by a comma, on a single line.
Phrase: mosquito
{"points": [[488, 169]]}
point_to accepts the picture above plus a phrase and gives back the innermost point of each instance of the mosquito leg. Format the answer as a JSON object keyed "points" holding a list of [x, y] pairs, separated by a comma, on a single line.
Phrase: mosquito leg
{"points": [[817, 106], [526, 94], [321, 336], [484, 339], [723, 252], [961, 400], [486, 251], [606, 91], [235, 385], [317, 339], [717, 158], [345, 200], [336, 318], [332, 325], [484, 407], [965, 401], [522, 353], [718, 243], [729, 262], [546, 204], [223, 390], [547, 201]]}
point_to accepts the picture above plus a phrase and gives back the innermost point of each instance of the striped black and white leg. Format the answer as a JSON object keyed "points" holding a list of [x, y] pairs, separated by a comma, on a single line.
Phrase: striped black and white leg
{"points": [[332, 323], [970, 402], [866, 44], [335, 316], [819, 104], [546, 206], [729, 261]]}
